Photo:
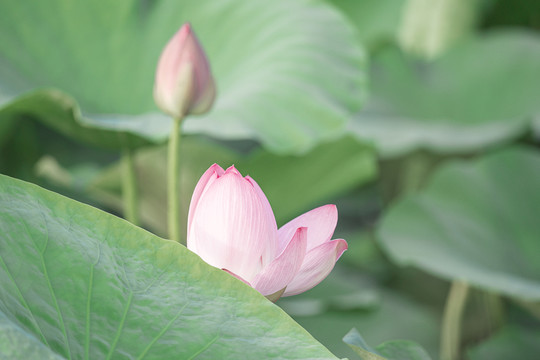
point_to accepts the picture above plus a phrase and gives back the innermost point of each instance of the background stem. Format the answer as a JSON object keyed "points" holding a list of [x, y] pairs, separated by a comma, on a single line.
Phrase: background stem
{"points": [[451, 325], [173, 194], [129, 186]]}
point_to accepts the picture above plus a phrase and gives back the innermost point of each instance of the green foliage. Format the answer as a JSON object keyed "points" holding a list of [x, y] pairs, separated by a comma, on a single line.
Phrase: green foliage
{"points": [[293, 184], [477, 95], [436, 178], [17, 343], [59, 111], [509, 342], [477, 221], [376, 21], [349, 298], [269, 79], [391, 350], [90, 285]]}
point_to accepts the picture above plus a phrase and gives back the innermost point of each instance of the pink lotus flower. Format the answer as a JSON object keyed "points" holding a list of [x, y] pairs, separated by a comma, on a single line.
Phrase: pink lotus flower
{"points": [[184, 84], [231, 226]]}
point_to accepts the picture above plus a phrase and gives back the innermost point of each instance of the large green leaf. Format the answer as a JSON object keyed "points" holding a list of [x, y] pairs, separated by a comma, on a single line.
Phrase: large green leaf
{"points": [[477, 95], [16, 343], [285, 82], [477, 221], [90, 285], [61, 112]]}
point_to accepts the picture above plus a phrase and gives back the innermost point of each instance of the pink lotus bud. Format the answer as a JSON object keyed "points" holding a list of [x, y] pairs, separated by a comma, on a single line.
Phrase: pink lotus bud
{"points": [[231, 226], [184, 84]]}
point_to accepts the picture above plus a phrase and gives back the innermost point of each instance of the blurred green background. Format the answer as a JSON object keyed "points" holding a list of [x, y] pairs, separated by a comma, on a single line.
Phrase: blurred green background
{"points": [[419, 119]]}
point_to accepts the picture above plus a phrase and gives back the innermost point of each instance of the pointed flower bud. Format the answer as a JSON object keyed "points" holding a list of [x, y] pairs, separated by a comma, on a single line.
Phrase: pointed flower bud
{"points": [[184, 84], [231, 226]]}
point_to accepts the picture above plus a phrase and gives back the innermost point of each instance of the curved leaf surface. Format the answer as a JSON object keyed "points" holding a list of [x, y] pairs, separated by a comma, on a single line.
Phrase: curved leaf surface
{"points": [[287, 83], [477, 221], [477, 95], [16, 343], [90, 285], [61, 112]]}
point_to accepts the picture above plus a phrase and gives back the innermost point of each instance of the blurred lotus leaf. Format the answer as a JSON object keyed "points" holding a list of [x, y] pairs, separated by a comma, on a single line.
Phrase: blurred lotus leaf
{"points": [[476, 221], [289, 84], [510, 342], [477, 95]]}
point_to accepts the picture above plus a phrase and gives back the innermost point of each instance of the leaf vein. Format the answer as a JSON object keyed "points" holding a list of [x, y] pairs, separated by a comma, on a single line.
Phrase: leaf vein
{"points": [[51, 289], [162, 332], [23, 300], [204, 348], [121, 325], [88, 303]]}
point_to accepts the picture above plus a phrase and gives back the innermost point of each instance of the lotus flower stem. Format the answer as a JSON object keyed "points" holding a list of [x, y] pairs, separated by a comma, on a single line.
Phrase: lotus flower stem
{"points": [[184, 86], [173, 193], [129, 186], [451, 325]]}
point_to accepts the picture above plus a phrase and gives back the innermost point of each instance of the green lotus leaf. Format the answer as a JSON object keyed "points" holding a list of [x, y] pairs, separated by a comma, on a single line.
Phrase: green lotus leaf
{"points": [[478, 95], [476, 221], [287, 83], [80, 283]]}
